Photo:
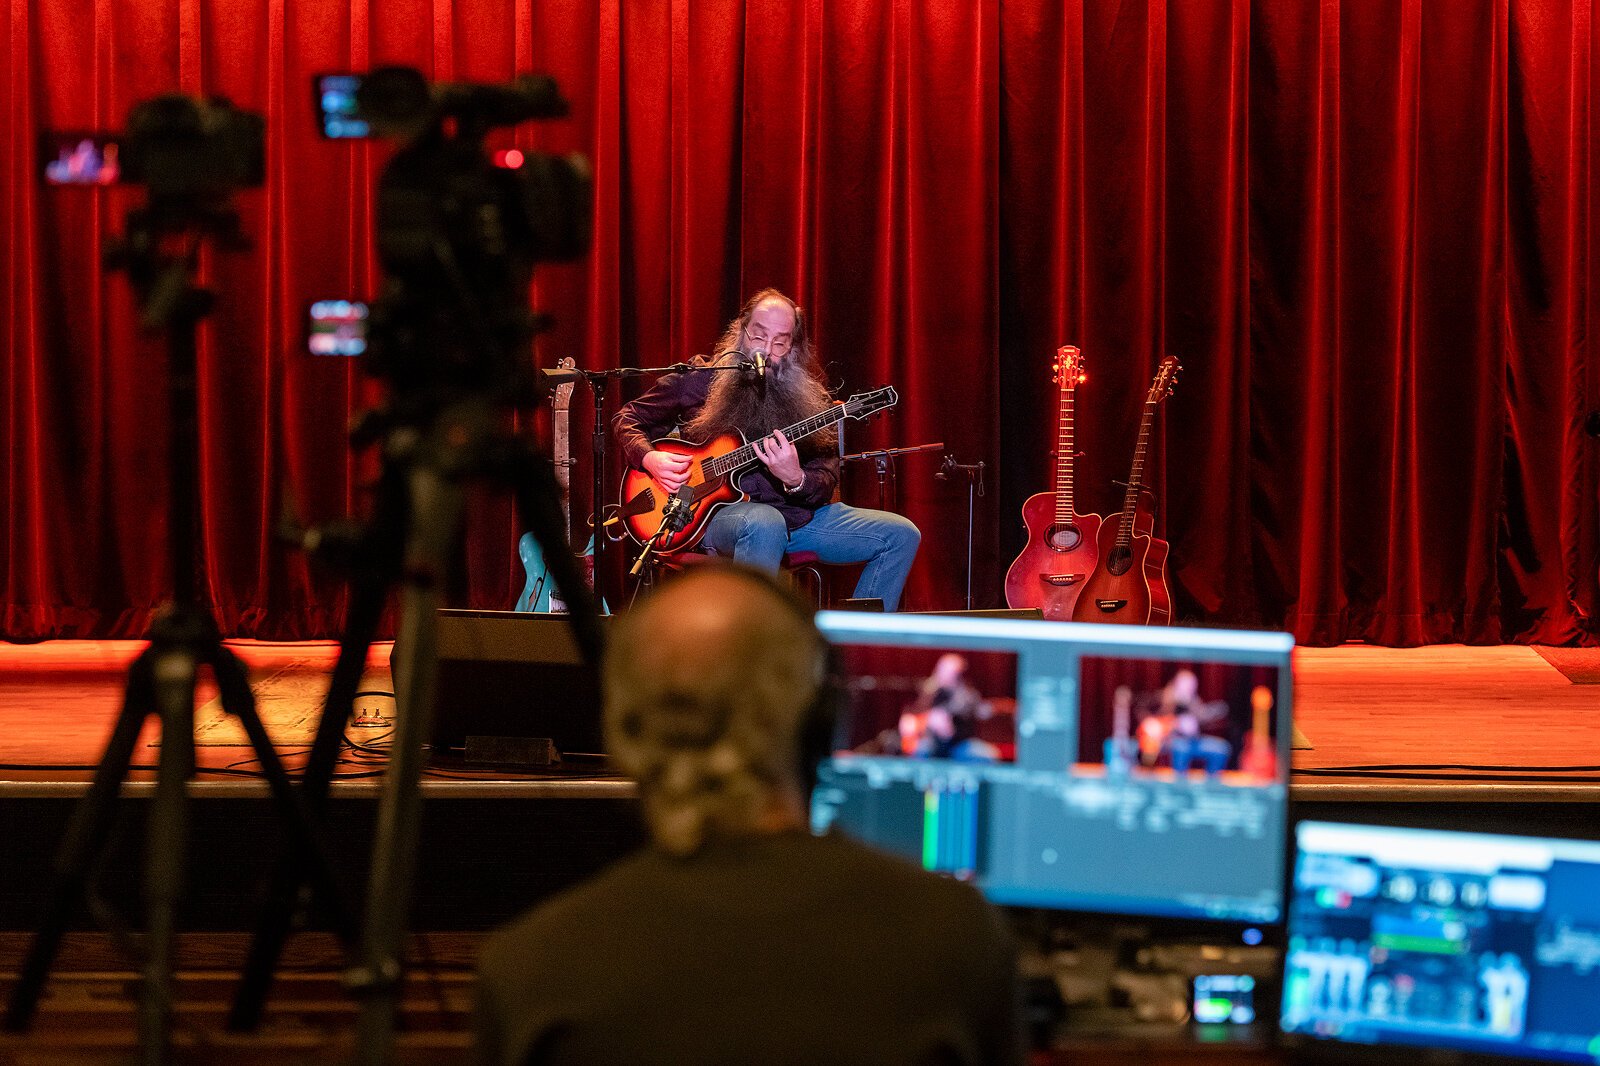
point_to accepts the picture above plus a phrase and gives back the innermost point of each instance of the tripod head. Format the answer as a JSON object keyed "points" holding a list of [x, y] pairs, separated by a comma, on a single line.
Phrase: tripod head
{"points": [[191, 155]]}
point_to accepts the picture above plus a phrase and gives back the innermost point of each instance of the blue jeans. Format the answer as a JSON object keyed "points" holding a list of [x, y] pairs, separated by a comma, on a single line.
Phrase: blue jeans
{"points": [[1213, 753], [755, 533]]}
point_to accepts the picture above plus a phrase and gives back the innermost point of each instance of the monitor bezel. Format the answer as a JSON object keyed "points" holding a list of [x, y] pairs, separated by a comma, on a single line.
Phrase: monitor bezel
{"points": [[1175, 643], [1488, 821]]}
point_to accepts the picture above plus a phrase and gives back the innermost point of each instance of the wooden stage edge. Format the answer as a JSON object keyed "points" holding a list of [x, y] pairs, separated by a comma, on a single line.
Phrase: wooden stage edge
{"points": [[1479, 707], [1340, 790]]}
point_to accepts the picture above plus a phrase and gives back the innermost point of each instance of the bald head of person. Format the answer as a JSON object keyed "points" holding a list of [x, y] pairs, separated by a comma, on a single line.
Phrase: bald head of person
{"points": [[714, 704]]}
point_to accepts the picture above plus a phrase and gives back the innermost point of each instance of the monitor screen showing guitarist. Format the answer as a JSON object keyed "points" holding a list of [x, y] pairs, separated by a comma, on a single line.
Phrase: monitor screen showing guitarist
{"points": [[1093, 768], [931, 703], [1174, 720]]}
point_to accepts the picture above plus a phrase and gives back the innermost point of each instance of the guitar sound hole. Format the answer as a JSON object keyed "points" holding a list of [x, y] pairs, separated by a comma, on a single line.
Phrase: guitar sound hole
{"points": [[1117, 562], [1064, 538]]}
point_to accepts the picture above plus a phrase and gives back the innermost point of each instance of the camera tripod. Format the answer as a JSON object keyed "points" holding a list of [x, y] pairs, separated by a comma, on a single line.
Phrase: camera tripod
{"points": [[161, 681], [413, 540]]}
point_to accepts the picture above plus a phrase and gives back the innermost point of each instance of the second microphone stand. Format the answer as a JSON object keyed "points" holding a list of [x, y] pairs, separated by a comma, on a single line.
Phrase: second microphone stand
{"points": [[883, 463], [949, 470]]}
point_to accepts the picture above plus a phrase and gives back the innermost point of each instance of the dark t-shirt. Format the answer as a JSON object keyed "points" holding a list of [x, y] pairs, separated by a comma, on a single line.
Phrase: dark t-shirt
{"points": [[777, 949]]}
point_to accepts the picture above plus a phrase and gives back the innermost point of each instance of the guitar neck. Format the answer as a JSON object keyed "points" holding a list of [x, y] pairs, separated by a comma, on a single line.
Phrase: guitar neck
{"points": [[1130, 500], [1066, 454], [561, 440], [746, 454]]}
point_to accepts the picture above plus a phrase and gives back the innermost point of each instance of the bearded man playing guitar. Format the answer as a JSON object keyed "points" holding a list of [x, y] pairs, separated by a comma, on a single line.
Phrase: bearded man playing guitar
{"points": [[789, 508]]}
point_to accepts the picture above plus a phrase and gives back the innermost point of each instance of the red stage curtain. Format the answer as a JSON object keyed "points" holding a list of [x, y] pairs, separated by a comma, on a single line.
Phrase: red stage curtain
{"points": [[1365, 227]]}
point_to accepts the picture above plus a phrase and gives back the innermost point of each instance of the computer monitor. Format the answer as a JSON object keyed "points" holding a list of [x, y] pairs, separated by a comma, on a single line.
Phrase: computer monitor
{"points": [[1476, 943], [1104, 769]]}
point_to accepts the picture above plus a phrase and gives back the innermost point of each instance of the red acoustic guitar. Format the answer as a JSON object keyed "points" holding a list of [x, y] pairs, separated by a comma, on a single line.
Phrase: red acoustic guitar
{"points": [[714, 474], [1130, 584], [1061, 549]]}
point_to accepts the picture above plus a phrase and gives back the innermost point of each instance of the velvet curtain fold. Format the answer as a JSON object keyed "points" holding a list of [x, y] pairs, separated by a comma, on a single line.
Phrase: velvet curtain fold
{"points": [[1365, 226], [1366, 229]]}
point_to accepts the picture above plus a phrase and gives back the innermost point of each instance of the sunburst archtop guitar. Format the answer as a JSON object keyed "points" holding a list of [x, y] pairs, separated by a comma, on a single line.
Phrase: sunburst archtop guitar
{"points": [[1062, 544], [714, 475]]}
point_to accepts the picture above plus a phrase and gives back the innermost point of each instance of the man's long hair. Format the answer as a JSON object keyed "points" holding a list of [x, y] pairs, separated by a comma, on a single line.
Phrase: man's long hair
{"points": [[793, 390], [713, 736]]}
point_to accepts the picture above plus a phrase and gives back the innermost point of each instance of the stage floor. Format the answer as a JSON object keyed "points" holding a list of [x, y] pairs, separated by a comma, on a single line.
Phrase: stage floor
{"points": [[1358, 705]]}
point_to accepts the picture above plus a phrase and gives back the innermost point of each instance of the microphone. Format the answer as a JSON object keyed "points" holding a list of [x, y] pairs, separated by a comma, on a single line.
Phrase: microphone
{"points": [[757, 362]]}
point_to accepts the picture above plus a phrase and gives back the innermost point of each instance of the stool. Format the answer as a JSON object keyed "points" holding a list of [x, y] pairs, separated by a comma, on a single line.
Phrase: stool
{"points": [[805, 569]]}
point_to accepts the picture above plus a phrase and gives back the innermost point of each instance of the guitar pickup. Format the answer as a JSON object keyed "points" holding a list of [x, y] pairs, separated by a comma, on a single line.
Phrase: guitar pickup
{"points": [[1111, 605], [1061, 580]]}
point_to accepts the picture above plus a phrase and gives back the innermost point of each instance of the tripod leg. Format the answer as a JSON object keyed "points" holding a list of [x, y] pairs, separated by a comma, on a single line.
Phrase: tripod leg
{"points": [[369, 588], [436, 516], [306, 838], [284, 899], [173, 682], [84, 840]]}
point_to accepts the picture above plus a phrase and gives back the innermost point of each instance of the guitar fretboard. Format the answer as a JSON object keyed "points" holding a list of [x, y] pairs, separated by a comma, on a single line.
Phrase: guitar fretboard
{"points": [[1066, 454], [1131, 499], [746, 454]]}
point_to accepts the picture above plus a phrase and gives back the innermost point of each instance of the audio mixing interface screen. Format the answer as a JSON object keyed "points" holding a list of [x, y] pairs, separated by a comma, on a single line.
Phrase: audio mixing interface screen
{"points": [[1466, 941]]}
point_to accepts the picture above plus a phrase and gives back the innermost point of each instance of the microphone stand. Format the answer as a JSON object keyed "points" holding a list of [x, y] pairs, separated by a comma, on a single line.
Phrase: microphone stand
{"points": [[973, 472], [673, 518], [883, 461], [598, 381]]}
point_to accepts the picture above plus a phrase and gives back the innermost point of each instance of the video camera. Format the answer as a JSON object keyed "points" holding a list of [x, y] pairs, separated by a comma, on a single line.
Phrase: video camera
{"points": [[459, 230], [180, 147]]}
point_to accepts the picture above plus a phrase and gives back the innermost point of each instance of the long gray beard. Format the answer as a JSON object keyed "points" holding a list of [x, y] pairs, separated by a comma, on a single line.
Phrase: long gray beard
{"points": [[739, 401]]}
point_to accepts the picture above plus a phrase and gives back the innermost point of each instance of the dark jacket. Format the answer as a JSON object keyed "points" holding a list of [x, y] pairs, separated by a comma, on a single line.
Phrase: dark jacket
{"points": [[771, 950]]}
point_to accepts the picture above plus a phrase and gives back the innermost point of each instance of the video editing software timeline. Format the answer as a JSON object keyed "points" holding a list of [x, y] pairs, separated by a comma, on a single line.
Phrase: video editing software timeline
{"points": [[1463, 941], [1079, 767]]}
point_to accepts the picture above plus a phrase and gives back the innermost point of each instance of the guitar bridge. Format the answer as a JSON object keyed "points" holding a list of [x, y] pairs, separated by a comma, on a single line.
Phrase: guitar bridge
{"points": [[1061, 580], [1111, 605]]}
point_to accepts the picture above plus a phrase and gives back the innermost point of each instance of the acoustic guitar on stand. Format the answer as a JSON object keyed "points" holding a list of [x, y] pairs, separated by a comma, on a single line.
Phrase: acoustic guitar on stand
{"points": [[1062, 544], [1129, 585], [713, 477]]}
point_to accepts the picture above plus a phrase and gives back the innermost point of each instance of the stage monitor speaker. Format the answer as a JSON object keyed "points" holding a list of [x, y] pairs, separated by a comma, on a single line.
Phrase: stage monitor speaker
{"points": [[513, 674]]}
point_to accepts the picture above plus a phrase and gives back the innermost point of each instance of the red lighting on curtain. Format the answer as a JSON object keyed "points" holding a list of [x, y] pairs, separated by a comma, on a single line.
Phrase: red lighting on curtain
{"points": [[1365, 226]]}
